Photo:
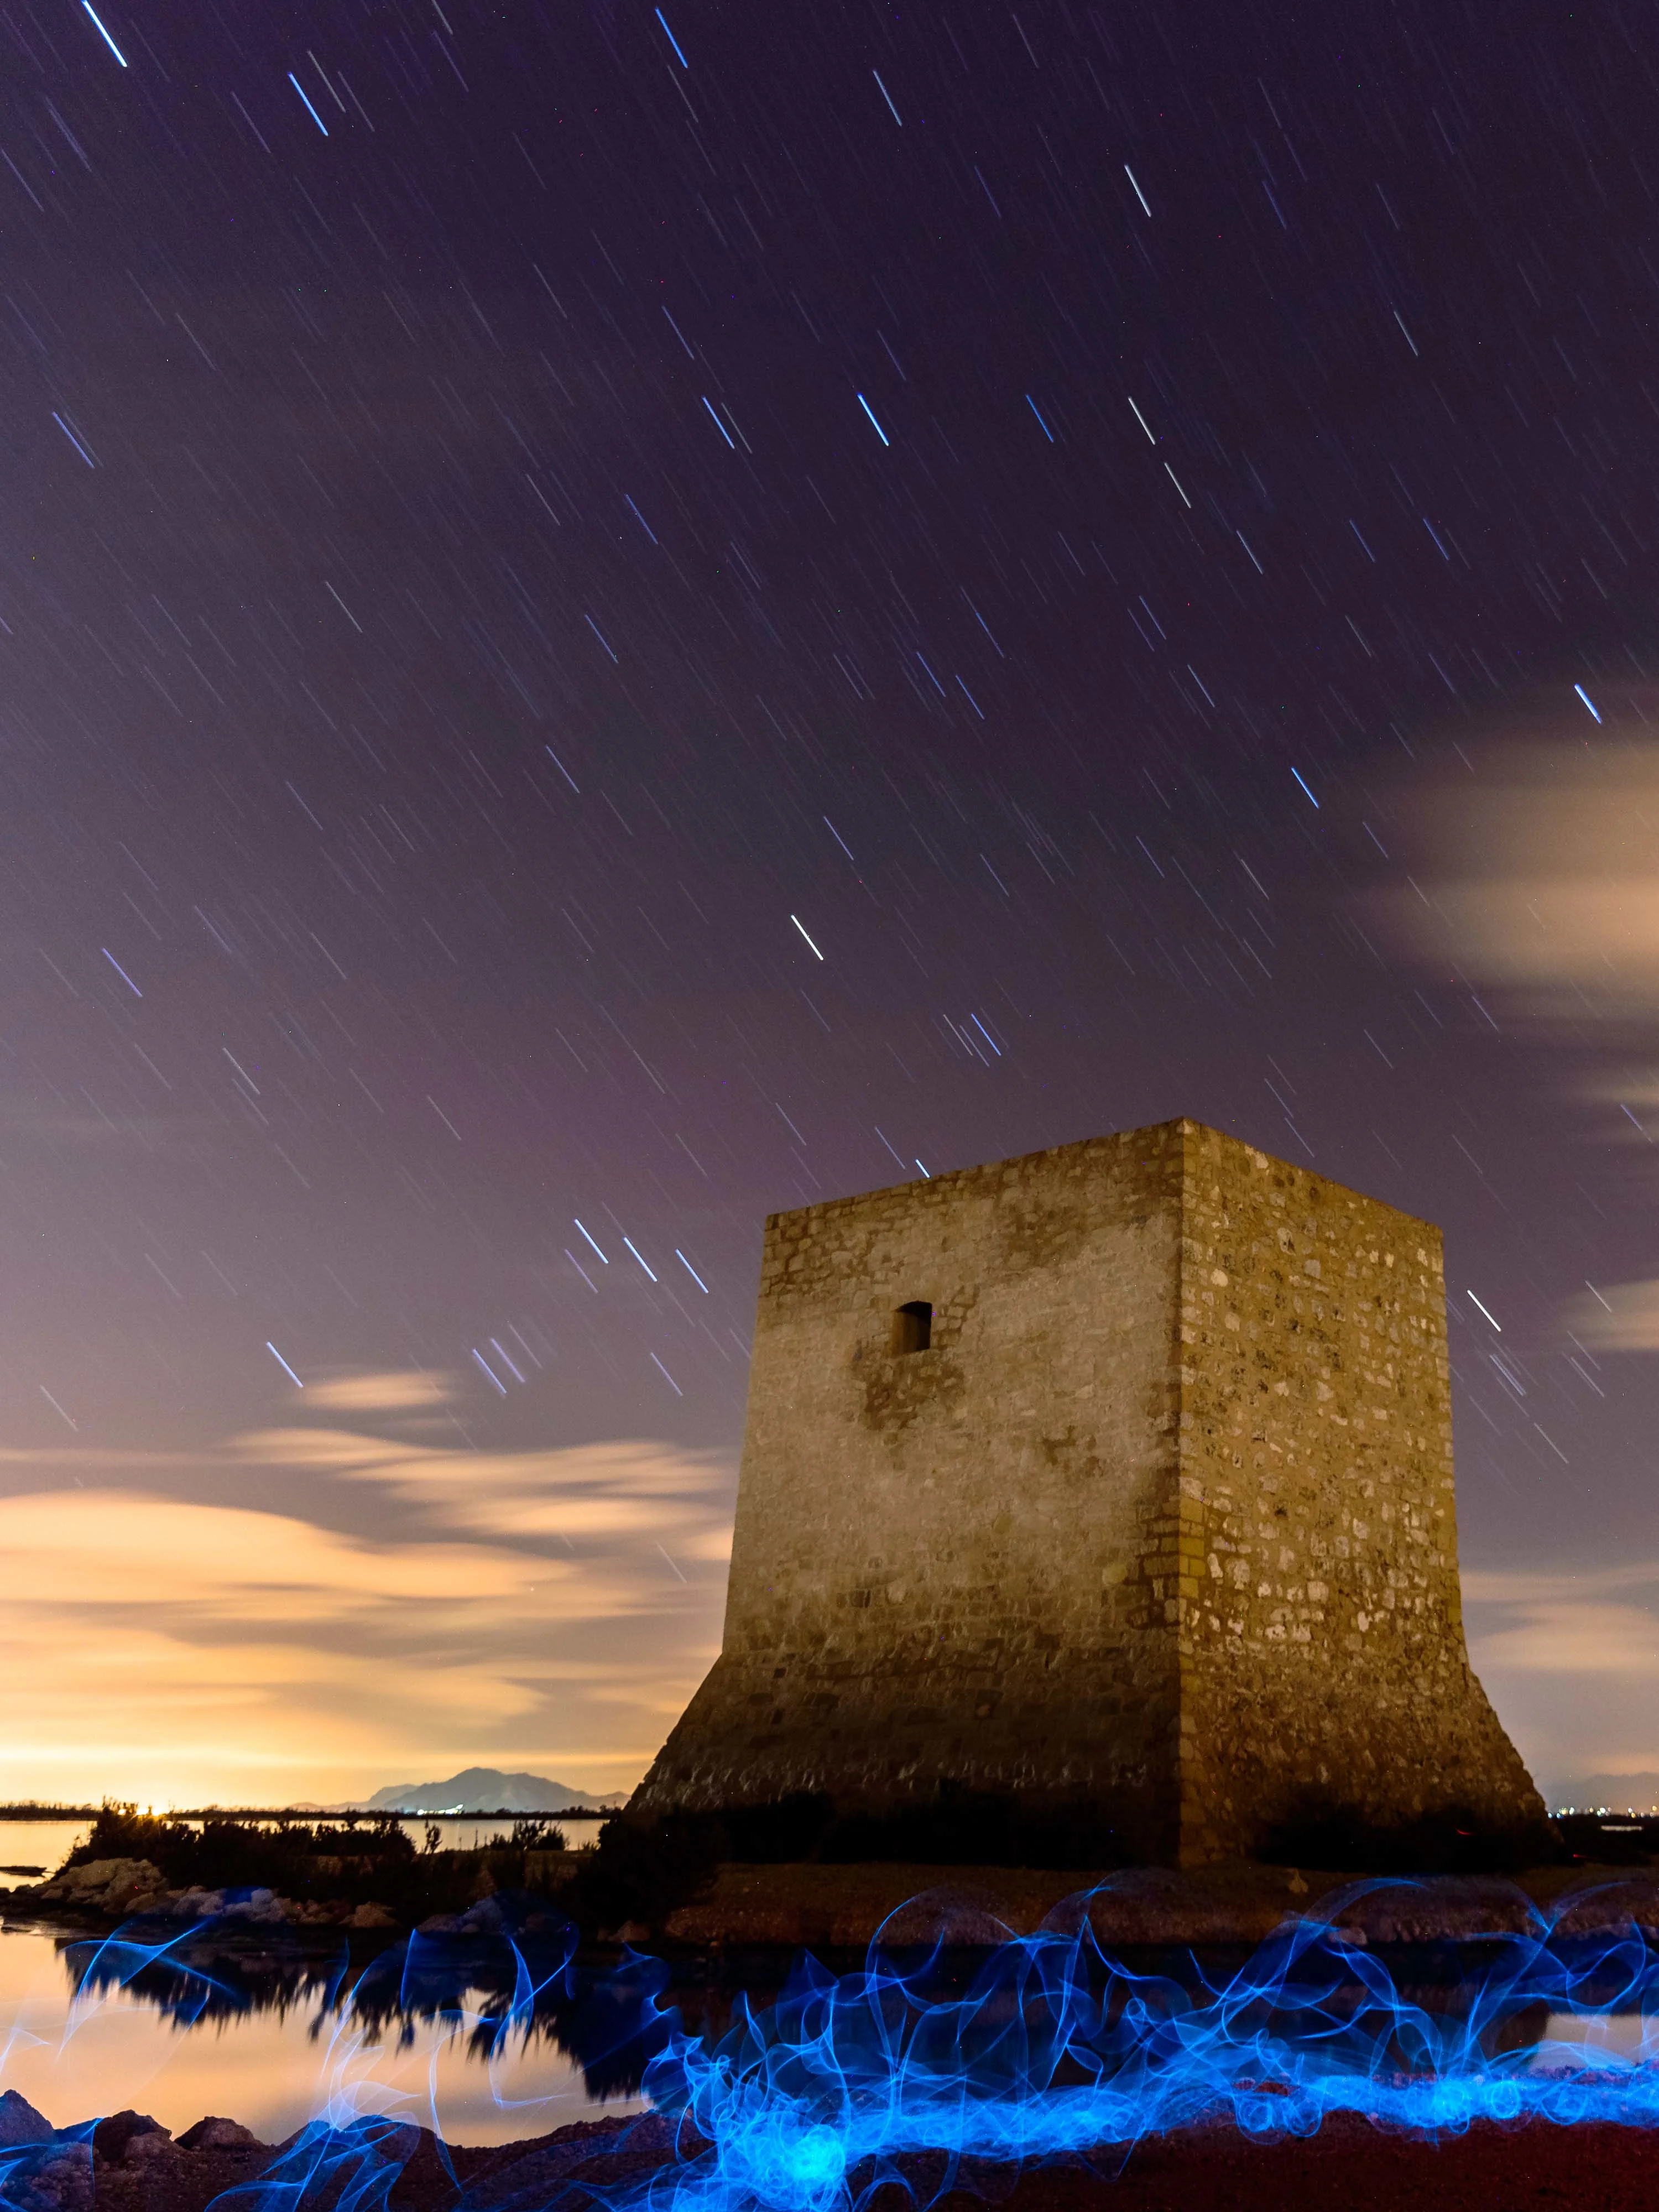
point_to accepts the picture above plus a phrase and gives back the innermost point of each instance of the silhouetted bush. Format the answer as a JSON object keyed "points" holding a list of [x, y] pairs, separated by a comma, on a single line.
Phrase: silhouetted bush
{"points": [[534, 1834], [955, 1825], [641, 1871], [355, 1859], [1338, 1839]]}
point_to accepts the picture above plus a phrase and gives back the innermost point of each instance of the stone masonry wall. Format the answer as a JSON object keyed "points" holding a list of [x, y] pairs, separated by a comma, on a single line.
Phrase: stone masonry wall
{"points": [[939, 1561], [1317, 1608], [1162, 1519]]}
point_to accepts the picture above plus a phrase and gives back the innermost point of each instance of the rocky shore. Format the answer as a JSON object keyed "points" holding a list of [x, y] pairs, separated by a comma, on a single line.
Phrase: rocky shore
{"points": [[837, 1909], [109, 1891], [127, 2164]]}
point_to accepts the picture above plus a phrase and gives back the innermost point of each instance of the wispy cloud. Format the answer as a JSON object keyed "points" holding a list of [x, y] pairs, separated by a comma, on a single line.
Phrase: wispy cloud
{"points": [[1576, 1654], [381, 1391], [1532, 879], [1569, 1623], [1536, 869], [1617, 1317], [523, 1608]]}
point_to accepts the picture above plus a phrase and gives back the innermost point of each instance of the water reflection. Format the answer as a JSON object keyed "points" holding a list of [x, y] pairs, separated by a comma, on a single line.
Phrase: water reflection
{"points": [[492, 2038], [486, 2040], [491, 1996]]}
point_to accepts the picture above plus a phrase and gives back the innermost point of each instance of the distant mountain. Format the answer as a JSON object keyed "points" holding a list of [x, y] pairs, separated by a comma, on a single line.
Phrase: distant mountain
{"points": [[487, 1790]]}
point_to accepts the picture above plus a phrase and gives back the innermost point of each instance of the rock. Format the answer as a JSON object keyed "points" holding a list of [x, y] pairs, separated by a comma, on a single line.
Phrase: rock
{"points": [[486, 1918], [215, 2133], [21, 2124], [372, 1916], [106, 1885], [113, 2138], [55, 2180], [195, 1904], [261, 1907], [144, 2148], [258, 1907]]}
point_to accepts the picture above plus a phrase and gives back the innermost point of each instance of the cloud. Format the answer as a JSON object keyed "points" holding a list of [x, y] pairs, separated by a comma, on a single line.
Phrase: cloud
{"points": [[1575, 1659], [390, 1391], [542, 1609], [88, 1548], [1554, 1632], [1535, 871], [1618, 1317], [1532, 876]]}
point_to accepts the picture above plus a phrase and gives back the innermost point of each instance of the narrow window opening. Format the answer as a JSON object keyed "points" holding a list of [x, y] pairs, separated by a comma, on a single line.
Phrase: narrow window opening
{"points": [[914, 1329]]}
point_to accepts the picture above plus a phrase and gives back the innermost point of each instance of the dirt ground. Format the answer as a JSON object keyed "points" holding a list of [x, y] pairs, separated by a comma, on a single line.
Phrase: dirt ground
{"points": [[1348, 2167], [843, 1907]]}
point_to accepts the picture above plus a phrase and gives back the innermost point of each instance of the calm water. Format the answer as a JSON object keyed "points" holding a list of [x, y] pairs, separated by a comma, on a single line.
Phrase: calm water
{"points": [[270, 2043], [269, 2040], [271, 2036]]}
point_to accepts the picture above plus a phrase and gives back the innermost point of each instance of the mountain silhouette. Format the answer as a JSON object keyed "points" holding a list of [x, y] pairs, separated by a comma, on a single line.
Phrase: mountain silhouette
{"points": [[487, 1790]]}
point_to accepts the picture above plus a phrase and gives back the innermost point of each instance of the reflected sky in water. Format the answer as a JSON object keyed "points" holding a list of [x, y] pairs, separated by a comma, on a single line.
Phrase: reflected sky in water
{"points": [[490, 2043], [271, 2038]]}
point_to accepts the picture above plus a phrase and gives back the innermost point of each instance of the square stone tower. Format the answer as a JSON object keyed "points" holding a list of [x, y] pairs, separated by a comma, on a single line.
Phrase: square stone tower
{"points": [[1121, 1473]]}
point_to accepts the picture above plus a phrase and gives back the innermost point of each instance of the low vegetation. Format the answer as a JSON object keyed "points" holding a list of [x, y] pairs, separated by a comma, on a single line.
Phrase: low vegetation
{"points": [[354, 1861], [1338, 1839], [638, 1874]]}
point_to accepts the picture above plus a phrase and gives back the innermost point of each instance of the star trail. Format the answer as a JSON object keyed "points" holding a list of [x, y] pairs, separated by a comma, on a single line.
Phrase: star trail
{"points": [[503, 507]]}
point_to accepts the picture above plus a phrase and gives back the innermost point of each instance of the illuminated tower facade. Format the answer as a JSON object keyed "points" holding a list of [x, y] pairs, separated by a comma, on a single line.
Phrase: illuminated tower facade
{"points": [[1119, 1474]]}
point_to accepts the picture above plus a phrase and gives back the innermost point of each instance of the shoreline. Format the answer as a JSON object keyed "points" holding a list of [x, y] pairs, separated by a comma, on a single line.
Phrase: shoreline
{"points": [[126, 2163], [844, 1908]]}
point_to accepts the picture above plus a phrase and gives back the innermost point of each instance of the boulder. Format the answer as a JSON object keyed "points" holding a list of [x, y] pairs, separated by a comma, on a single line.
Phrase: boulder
{"points": [[259, 1907], [115, 2138], [21, 2124], [106, 1885], [486, 1918], [194, 1904], [372, 1916], [215, 2133], [143, 2149], [57, 2178]]}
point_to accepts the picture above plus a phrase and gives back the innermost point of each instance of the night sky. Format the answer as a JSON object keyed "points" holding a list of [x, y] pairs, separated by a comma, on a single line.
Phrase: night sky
{"points": [[636, 622]]}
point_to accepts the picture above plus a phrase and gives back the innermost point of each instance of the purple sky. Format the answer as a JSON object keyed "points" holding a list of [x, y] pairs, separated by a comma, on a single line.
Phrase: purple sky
{"points": [[643, 621]]}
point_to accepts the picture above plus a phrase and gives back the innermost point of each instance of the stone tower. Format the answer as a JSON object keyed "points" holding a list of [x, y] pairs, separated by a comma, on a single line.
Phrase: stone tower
{"points": [[1121, 1473]]}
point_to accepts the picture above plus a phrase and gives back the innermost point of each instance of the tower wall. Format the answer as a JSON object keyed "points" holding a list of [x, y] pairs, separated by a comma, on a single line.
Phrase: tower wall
{"points": [[1162, 1519], [1319, 1618]]}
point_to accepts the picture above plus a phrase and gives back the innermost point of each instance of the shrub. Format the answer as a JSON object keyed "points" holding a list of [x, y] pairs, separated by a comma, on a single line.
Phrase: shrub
{"points": [[643, 1871], [1340, 1839], [956, 1825]]}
